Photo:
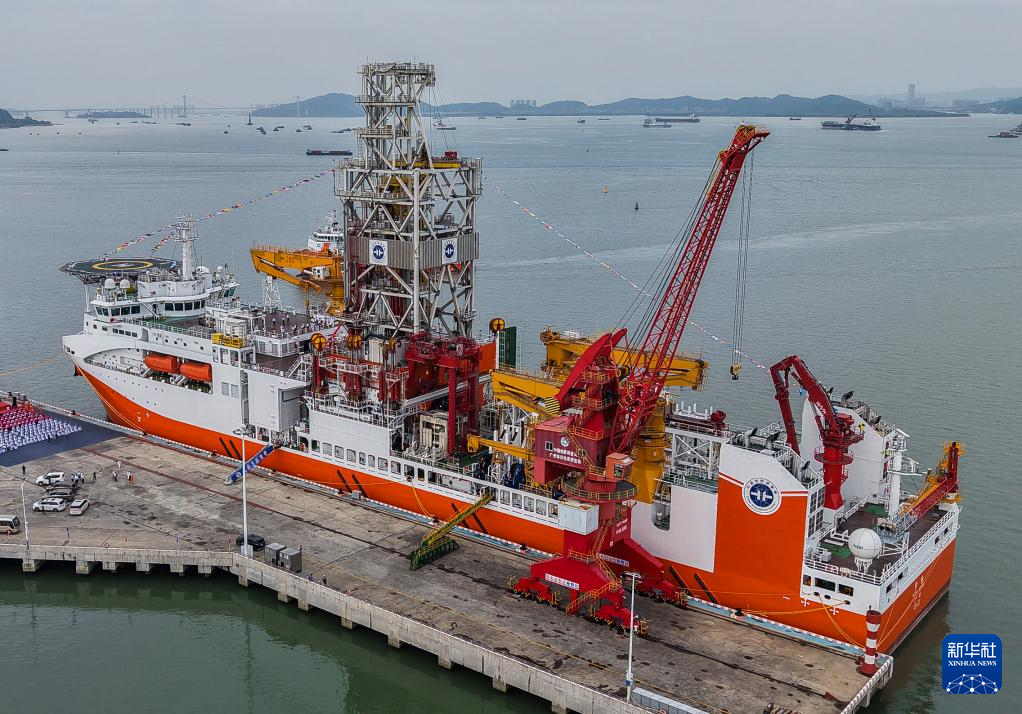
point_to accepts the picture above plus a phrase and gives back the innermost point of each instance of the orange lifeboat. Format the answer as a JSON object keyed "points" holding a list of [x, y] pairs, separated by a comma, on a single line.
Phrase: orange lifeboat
{"points": [[163, 363], [199, 371]]}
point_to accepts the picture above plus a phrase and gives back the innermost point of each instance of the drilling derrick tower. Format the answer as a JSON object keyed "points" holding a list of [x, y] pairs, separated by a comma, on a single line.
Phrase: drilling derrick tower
{"points": [[404, 351], [409, 216]]}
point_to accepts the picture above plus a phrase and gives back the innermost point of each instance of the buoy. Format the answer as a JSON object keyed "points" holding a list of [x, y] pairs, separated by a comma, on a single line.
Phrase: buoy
{"points": [[636, 205], [605, 189]]}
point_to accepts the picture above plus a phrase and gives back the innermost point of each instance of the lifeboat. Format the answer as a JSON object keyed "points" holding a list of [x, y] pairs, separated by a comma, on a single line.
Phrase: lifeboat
{"points": [[198, 371], [163, 363]]}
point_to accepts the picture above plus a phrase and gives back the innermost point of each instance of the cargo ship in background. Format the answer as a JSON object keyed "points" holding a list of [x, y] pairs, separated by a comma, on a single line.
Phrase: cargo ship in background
{"points": [[853, 124], [390, 392]]}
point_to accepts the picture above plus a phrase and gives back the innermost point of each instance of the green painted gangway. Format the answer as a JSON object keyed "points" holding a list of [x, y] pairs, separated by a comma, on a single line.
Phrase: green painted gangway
{"points": [[438, 542]]}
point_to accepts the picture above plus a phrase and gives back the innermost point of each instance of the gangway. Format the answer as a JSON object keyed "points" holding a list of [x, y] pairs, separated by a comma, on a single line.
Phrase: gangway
{"points": [[250, 464], [438, 541]]}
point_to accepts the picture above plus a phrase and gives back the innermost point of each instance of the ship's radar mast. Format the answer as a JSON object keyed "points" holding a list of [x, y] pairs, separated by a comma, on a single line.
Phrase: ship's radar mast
{"points": [[409, 216], [187, 234]]}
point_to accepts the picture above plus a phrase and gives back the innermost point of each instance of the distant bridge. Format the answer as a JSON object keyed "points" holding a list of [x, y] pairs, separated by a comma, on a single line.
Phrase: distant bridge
{"points": [[164, 110]]}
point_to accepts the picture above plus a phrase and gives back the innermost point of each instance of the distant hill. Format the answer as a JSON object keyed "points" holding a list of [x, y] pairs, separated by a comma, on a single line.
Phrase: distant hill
{"points": [[343, 105], [327, 105], [1007, 106], [781, 105], [9, 122]]}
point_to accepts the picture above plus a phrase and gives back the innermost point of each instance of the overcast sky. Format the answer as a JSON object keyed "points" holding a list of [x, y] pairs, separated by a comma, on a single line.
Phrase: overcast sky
{"points": [[110, 53]]}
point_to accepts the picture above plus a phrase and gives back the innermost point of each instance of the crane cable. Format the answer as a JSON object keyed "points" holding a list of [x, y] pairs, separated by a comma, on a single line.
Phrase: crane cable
{"points": [[743, 267], [643, 290], [658, 281]]}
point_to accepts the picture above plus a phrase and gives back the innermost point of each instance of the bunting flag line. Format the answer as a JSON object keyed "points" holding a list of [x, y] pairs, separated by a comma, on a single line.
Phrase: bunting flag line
{"points": [[617, 274], [167, 232]]}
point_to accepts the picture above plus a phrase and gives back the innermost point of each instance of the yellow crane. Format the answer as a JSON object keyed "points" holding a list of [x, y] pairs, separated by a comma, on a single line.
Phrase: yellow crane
{"points": [[321, 270]]}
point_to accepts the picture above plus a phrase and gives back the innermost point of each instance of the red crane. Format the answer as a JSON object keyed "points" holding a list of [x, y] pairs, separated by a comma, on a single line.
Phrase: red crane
{"points": [[837, 430], [587, 453], [642, 388]]}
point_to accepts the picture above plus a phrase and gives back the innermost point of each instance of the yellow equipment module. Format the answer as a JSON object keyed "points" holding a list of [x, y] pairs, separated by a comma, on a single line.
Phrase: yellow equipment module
{"points": [[562, 350], [535, 393], [319, 271]]}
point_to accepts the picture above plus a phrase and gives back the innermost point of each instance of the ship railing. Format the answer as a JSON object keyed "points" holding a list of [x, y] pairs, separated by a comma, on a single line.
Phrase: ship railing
{"points": [[584, 402], [923, 542], [235, 304], [583, 433], [441, 463], [842, 571], [695, 478], [292, 374], [930, 543], [203, 332], [381, 417], [682, 427], [891, 569], [527, 374], [266, 370]]}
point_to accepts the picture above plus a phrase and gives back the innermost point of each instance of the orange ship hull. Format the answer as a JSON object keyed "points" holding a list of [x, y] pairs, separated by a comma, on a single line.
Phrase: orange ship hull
{"points": [[734, 590], [899, 618], [123, 411]]}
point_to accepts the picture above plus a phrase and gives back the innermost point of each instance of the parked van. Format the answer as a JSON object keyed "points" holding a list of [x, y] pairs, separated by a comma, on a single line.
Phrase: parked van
{"points": [[10, 525]]}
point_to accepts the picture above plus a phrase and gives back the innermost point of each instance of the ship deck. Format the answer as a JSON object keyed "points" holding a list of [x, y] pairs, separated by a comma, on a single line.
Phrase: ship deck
{"points": [[178, 501], [861, 518]]}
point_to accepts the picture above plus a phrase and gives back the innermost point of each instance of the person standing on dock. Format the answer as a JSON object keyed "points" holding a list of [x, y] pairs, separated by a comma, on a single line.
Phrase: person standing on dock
{"points": [[23, 470]]}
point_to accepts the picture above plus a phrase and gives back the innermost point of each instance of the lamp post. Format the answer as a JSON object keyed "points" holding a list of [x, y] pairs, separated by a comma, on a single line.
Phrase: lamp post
{"points": [[629, 680], [246, 549], [24, 515]]}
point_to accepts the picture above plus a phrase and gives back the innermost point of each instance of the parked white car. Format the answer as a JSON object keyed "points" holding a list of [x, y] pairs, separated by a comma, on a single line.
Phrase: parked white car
{"points": [[50, 504], [78, 507], [51, 478]]}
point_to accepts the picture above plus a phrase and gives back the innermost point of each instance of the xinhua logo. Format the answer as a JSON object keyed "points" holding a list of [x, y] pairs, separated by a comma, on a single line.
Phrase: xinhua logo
{"points": [[972, 664]]}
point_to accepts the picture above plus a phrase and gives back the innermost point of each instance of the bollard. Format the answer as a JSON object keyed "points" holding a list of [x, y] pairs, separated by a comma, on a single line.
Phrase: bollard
{"points": [[869, 660]]}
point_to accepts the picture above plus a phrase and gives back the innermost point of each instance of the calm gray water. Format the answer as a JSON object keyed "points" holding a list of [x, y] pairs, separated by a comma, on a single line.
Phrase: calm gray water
{"points": [[892, 262]]}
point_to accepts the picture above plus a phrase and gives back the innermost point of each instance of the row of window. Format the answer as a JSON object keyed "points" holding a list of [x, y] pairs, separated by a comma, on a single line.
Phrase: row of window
{"points": [[809, 581], [184, 306], [118, 311], [229, 390], [513, 499], [225, 355], [126, 333]]}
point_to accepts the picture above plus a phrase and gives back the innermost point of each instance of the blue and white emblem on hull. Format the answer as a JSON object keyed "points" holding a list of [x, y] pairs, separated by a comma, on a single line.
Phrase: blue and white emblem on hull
{"points": [[761, 496]]}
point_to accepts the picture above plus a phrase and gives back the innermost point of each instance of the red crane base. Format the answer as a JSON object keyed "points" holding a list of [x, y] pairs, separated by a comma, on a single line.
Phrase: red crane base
{"points": [[598, 582]]}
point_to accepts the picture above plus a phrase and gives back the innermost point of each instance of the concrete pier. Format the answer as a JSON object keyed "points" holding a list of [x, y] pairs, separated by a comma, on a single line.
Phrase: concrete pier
{"points": [[84, 567], [178, 515]]}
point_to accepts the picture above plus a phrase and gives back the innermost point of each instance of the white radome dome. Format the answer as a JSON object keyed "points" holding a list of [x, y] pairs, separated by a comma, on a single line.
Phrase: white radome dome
{"points": [[865, 543], [109, 284]]}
